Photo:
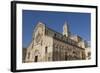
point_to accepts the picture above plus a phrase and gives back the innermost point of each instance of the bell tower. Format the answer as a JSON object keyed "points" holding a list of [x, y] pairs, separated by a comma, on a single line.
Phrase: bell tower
{"points": [[65, 29]]}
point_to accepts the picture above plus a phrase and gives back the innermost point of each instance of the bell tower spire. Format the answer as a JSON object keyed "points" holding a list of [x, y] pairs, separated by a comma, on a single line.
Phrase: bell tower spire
{"points": [[65, 29]]}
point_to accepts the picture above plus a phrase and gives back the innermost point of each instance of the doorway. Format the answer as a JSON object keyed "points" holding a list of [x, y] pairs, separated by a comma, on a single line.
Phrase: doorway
{"points": [[36, 59]]}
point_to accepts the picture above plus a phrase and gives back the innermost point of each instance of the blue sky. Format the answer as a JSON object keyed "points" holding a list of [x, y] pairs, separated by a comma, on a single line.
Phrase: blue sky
{"points": [[79, 23]]}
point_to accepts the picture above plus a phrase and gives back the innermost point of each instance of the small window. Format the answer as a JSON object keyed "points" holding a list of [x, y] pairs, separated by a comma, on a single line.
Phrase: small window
{"points": [[55, 35], [73, 52], [46, 49]]}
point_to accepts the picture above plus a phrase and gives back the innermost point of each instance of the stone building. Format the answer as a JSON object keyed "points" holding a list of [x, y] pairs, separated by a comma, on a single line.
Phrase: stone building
{"points": [[49, 45], [24, 54]]}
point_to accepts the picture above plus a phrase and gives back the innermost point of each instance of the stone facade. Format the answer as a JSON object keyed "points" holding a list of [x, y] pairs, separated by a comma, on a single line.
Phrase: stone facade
{"points": [[49, 45]]}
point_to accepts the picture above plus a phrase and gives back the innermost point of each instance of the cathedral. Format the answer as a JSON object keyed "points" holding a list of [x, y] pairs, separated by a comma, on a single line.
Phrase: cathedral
{"points": [[50, 45]]}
